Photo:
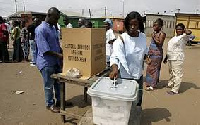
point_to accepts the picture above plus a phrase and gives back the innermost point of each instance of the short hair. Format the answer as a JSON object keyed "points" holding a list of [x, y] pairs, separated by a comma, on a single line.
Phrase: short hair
{"points": [[134, 15], [1, 19], [53, 9], [159, 21], [181, 25], [16, 23]]}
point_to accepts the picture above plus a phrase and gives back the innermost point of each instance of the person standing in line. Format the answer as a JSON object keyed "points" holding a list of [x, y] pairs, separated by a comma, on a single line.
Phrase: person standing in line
{"points": [[67, 23], [24, 41], [175, 57], [31, 34], [129, 53], [156, 55], [81, 22], [4, 41], [110, 38], [17, 54]]}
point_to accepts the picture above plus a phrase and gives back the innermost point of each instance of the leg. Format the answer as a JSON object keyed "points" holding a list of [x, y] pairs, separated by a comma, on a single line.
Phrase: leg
{"points": [[14, 50], [48, 85], [178, 74], [23, 49], [171, 79], [1, 50], [140, 92], [85, 93], [32, 51], [57, 91], [6, 52]]}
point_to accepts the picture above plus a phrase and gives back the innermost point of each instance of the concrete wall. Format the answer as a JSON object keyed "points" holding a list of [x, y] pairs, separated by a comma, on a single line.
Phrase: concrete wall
{"points": [[168, 26]]}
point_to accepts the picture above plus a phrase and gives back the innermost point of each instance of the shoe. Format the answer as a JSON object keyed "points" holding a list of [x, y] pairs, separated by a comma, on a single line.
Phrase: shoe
{"points": [[149, 88], [32, 65], [171, 93], [53, 109]]}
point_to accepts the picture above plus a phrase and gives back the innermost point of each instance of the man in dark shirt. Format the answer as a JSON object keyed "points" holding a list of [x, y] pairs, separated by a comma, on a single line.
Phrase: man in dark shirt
{"points": [[31, 32]]}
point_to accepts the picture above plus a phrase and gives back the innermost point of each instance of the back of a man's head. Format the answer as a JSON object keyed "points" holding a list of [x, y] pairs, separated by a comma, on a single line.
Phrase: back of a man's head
{"points": [[1, 19], [53, 10]]}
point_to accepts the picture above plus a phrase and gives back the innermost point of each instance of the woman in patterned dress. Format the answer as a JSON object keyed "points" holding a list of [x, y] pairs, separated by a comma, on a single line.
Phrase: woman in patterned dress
{"points": [[156, 55]]}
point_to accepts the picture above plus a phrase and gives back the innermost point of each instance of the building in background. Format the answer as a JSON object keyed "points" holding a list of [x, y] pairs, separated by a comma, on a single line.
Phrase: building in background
{"points": [[191, 22], [27, 16]]}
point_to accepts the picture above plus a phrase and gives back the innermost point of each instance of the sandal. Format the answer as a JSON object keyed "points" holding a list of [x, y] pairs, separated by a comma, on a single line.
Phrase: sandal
{"points": [[171, 93], [149, 88]]}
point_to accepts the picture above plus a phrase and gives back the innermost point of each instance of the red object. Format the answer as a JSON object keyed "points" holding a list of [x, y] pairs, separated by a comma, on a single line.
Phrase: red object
{"points": [[3, 35], [118, 25]]}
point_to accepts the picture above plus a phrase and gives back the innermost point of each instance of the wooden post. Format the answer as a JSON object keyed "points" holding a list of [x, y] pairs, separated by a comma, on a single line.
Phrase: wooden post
{"points": [[62, 99], [85, 93]]}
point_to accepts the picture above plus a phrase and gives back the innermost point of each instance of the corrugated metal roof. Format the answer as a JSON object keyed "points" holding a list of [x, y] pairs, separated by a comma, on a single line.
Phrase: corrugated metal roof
{"points": [[186, 14], [19, 13], [71, 13]]}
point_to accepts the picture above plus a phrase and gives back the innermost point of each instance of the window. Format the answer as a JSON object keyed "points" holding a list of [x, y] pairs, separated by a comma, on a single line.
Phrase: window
{"points": [[193, 24]]}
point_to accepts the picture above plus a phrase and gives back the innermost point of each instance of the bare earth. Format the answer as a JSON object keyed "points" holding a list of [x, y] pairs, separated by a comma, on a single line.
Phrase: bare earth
{"points": [[158, 107]]}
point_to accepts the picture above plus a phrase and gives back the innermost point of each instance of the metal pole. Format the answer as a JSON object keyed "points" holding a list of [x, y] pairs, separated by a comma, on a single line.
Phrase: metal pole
{"points": [[90, 13], [16, 6], [123, 8], [105, 12], [24, 6]]}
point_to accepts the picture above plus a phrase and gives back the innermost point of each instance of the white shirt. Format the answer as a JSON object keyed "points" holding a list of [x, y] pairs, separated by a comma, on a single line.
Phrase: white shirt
{"points": [[129, 56], [58, 31], [69, 25], [176, 45], [109, 36]]}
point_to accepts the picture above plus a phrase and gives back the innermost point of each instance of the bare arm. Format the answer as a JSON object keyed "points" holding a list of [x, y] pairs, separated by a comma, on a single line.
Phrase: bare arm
{"points": [[114, 71], [159, 39]]}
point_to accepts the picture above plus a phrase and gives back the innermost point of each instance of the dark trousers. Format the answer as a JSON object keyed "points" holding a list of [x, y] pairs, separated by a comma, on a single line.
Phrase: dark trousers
{"points": [[4, 56], [140, 92], [17, 55]]}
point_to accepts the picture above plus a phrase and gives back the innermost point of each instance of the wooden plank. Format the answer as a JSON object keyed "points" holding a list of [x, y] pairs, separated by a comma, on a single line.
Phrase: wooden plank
{"points": [[81, 82]]}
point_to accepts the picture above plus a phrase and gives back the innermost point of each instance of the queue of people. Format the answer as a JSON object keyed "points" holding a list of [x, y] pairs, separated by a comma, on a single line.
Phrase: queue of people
{"points": [[22, 39]]}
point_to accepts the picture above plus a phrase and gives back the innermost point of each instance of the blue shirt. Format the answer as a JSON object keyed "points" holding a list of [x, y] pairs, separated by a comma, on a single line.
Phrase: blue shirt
{"points": [[46, 38]]}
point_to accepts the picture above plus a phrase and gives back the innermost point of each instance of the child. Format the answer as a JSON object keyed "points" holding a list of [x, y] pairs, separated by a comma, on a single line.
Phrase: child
{"points": [[175, 57]]}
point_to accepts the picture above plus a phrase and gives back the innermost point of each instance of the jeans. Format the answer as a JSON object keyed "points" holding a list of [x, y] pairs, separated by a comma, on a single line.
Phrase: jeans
{"points": [[50, 84], [33, 51]]}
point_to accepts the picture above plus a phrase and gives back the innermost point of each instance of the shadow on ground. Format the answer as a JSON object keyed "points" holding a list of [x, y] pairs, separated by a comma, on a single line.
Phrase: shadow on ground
{"points": [[79, 101], [155, 115], [183, 88]]}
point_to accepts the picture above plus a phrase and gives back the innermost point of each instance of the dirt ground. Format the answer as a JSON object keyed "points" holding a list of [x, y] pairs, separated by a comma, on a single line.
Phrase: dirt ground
{"points": [[159, 108]]}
